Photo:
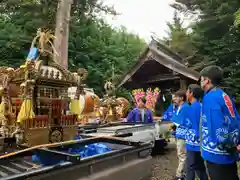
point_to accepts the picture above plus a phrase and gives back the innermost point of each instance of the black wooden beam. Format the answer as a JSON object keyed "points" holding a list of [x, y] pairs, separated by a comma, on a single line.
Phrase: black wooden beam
{"points": [[157, 78]]}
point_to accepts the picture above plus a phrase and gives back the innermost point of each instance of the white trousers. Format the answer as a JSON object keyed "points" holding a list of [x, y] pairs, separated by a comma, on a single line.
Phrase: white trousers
{"points": [[182, 155]]}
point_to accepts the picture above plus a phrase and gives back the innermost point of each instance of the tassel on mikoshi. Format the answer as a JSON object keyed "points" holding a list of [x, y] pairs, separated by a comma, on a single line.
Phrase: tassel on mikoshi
{"points": [[97, 114], [26, 111], [110, 112], [75, 106], [2, 107]]}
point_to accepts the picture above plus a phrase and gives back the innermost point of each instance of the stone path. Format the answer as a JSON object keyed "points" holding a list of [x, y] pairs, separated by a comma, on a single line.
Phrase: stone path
{"points": [[165, 164]]}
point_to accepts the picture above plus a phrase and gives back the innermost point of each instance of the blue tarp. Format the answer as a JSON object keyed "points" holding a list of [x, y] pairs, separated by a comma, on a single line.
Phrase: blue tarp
{"points": [[86, 151], [90, 150]]}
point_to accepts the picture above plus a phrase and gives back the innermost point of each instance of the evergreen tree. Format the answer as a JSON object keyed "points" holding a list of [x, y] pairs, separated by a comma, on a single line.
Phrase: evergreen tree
{"points": [[179, 40], [237, 20], [216, 38], [93, 44]]}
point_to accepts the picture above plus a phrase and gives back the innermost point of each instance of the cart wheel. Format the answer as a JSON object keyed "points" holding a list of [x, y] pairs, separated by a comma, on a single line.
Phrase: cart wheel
{"points": [[56, 135]]}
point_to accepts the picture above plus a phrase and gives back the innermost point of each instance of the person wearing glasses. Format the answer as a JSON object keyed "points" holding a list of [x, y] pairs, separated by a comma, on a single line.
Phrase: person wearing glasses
{"points": [[219, 127]]}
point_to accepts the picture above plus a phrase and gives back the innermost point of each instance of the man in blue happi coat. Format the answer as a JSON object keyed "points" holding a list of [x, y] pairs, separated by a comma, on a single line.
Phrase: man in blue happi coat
{"points": [[194, 162], [168, 114], [178, 119], [140, 113], [219, 127]]}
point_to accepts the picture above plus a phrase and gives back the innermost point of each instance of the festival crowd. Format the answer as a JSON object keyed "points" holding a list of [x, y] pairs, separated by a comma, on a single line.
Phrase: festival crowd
{"points": [[205, 124]]}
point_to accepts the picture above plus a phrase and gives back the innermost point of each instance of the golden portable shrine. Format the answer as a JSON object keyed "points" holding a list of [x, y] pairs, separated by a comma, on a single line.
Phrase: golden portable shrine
{"points": [[112, 108], [92, 109], [35, 107]]}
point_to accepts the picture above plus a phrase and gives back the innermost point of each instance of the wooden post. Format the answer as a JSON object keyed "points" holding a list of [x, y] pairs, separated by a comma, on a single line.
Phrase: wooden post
{"points": [[62, 32]]}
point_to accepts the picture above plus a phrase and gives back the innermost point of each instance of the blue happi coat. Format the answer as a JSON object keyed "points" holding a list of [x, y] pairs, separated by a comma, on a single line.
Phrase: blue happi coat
{"points": [[192, 123], [140, 115], [168, 114], [220, 127], [179, 118]]}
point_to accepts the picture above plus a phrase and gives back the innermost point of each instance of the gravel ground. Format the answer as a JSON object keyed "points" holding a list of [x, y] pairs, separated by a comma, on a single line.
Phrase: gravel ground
{"points": [[165, 164]]}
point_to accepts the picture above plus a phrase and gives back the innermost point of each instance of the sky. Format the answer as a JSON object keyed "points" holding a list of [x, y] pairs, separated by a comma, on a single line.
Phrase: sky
{"points": [[142, 17]]}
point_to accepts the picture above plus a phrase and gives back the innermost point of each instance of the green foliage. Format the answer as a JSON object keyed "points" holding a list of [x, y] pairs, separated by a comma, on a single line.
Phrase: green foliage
{"points": [[93, 44], [97, 47], [11, 45], [237, 20], [216, 38], [180, 40]]}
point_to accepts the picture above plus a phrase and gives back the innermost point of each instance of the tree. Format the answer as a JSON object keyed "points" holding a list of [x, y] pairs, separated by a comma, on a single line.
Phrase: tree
{"points": [[179, 39], [97, 46], [93, 44], [237, 20], [216, 39], [12, 44]]}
